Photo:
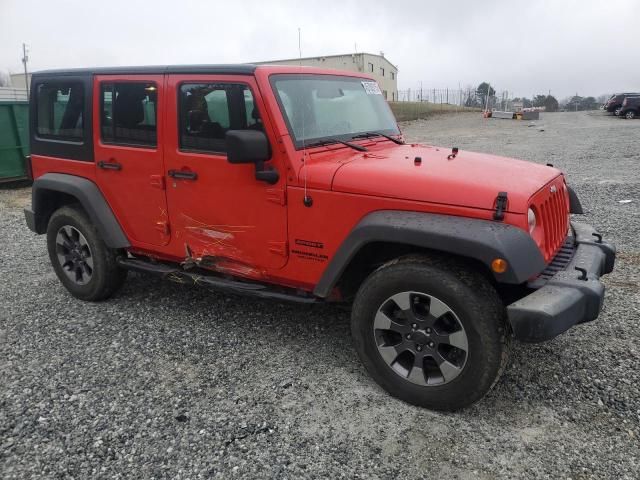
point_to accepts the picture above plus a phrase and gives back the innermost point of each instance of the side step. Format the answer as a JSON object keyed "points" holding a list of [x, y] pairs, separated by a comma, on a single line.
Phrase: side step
{"points": [[179, 275]]}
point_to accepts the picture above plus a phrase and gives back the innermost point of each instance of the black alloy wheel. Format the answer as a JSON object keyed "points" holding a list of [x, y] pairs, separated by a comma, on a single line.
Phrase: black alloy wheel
{"points": [[431, 330], [83, 263], [420, 338], [74, 255]]}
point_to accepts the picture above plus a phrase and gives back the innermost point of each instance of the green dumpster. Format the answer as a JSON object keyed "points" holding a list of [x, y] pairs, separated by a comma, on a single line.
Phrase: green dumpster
{"points": [[14, 140]]}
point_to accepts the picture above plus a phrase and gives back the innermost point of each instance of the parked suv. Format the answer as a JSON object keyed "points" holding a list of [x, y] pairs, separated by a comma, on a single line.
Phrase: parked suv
{"points": [[630, 107], [295, 184], [614, 104]]}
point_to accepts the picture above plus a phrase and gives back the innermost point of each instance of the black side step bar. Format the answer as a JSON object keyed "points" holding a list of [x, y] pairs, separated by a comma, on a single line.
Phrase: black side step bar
{"points": [[179, 275]]}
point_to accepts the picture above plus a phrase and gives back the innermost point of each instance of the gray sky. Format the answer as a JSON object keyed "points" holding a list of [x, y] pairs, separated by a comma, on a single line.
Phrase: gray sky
{"points": [[525, 47]]}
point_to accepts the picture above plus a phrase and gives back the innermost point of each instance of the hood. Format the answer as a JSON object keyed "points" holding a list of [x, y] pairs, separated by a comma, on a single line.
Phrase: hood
{"points": [[470, 179]]}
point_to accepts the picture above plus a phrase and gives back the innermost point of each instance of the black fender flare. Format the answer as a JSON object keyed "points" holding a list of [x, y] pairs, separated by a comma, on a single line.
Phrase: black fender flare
{"points": [[88, 195], [574, 202], [482, 240]]}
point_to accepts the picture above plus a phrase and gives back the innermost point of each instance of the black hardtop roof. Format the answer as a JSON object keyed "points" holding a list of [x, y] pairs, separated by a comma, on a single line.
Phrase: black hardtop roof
{"points": [[237, 69]]}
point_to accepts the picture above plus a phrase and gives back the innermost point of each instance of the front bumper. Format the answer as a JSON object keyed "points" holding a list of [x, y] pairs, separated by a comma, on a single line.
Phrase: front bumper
{"points": [[570, 296]]}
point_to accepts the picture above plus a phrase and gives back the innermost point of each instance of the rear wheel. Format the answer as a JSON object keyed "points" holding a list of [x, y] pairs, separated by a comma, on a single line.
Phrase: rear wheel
{"points": [[630, 115], [431, 333], [81, 260]]}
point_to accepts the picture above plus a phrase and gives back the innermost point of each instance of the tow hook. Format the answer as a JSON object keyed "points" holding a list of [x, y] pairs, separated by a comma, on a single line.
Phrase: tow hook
{"points": [[583, 273]]}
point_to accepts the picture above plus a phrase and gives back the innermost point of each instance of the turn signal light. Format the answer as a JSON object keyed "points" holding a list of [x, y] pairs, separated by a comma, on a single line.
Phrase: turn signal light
{"points": [[499, 265]]}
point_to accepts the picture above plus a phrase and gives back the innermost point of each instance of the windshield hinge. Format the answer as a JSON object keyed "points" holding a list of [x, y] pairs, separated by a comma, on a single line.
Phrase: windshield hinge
{"points": [[501, 206]]}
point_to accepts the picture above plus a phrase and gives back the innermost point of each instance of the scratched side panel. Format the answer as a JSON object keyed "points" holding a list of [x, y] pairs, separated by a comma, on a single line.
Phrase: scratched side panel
{"points": [[225, 219]]}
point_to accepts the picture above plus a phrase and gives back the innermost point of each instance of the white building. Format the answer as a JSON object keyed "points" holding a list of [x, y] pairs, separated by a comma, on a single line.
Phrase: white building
{"points": [[377, 66], [17, 80]]}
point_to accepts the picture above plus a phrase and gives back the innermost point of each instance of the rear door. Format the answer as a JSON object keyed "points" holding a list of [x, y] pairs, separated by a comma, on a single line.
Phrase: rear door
{"points": [[222, 218], [129, 154]]}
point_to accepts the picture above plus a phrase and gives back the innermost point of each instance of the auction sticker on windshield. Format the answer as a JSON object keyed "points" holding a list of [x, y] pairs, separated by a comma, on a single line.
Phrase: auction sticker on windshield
{"points": [[371, 88]]}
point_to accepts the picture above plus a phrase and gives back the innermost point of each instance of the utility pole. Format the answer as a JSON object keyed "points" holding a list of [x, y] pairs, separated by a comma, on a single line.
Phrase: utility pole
{"points": [[25, 59], [486, 106]]}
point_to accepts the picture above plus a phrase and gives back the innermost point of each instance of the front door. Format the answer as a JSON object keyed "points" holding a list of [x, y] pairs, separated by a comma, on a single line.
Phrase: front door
{"points": [[221, 217], [128, 153]]}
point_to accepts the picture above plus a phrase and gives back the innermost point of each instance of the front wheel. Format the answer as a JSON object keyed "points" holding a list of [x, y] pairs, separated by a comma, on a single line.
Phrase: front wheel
{"points": [[616, 112], [431, 333]]}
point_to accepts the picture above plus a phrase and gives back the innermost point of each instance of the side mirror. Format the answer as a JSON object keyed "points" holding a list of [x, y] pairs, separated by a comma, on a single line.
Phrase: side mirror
{"points": [[247, 146], [251, 146]]}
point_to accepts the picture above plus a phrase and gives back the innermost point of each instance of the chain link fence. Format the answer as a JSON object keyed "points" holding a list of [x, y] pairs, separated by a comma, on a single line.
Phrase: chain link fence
{"points": [[460, 97], [444, 96]]}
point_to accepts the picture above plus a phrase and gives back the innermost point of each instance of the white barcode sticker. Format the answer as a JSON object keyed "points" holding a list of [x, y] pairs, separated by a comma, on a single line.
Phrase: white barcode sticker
{"points": [[371, 88]]}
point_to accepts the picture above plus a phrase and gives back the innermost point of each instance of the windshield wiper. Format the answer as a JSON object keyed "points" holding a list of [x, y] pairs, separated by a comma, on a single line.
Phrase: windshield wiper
{"points": [[326, 141], [378, 134]]}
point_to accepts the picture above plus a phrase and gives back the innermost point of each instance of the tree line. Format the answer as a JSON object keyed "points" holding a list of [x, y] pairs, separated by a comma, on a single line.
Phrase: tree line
{"points": [[478, 98]]}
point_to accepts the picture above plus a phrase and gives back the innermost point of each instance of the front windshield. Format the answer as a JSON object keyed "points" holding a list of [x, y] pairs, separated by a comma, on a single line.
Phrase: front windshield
{"points": [[323, 107]]}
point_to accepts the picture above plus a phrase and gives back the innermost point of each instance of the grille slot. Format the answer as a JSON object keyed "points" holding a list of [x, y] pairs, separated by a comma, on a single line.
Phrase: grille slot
{"points": [[555, 222]]}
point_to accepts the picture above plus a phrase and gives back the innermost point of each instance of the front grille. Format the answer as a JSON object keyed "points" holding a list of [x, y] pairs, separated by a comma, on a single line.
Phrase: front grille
{"points": [[553, 214]]}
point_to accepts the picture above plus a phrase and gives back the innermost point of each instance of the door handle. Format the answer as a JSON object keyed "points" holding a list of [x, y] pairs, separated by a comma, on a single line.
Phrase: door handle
{"points": [[109, 165], [183, 174]]}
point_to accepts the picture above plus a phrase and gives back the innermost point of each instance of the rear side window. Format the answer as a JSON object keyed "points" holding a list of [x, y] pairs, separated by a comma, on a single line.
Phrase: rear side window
{"points": [[209, 110], [59, 111], [128, 113]]}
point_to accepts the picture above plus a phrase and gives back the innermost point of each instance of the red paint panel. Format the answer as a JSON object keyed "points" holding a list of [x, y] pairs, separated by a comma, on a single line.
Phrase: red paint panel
{"points": [[132, 193], [42, 164], [225, 220], [332, 217]]}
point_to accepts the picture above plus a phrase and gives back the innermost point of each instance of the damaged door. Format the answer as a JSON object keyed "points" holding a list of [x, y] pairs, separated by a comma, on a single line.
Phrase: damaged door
{"points": [[221, 216]]}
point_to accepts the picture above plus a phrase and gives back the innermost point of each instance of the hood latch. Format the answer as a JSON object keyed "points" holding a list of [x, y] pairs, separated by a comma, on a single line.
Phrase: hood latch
{"points": [[501, 206]]}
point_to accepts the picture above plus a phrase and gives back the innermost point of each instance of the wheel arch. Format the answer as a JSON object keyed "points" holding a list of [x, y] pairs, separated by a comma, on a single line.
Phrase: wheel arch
{"points": [[392, 233], [54, 190], [374, 255]]}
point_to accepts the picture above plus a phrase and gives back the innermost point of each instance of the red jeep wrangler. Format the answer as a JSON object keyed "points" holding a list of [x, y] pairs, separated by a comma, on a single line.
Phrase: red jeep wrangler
{"points": [[295, 184]]}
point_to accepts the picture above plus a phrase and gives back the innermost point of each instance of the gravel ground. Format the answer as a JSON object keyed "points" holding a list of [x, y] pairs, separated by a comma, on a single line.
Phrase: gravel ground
{"points": [[168, 381]]}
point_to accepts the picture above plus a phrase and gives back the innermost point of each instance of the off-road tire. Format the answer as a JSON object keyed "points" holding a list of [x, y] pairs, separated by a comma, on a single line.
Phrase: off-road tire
{"points": [[106, 277], [471, 298]]}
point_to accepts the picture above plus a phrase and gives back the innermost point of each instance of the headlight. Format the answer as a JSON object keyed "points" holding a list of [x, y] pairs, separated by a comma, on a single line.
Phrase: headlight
{"points": [[531, 218]]}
